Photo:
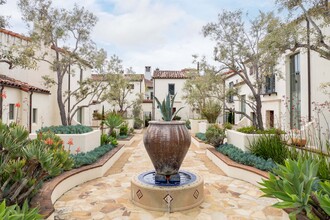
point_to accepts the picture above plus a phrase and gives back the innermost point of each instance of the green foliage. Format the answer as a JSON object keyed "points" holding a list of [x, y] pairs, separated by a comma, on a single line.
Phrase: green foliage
{"points": [[70, 129], [14, 212], [108, 139], [25, 164], [123, 129], [137, 123], [270, 146], [92, 156], [227, 125], [188, 124], [166, 108], [254, 130], [113, 121], [215, 135], [246, 158], [201, 136], [323, 196], [211, 111], [293, 184]]}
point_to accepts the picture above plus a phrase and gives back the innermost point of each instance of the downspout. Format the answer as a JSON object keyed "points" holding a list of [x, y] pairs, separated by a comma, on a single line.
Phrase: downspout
{"points": [[30, 113], [309, 72], [69, 94], [1, 100]]}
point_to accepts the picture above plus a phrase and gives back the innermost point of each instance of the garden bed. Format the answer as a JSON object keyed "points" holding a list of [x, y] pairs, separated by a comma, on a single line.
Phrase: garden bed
{"points": [[236, 170], [241, 140], [126, 141], [56, 187], [199, 143], [86, 141]]}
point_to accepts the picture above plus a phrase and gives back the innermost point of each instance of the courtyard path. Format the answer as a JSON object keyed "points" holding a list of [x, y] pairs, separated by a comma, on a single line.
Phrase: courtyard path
{"points": [[109, 197]]}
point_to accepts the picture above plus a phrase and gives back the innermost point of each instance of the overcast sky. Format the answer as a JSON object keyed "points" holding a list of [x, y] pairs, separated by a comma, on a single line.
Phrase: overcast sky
{"points": [[156, 33]]}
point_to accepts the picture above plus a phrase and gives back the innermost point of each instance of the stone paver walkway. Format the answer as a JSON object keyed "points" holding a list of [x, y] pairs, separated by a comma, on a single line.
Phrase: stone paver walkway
{"points": [[109, 197]]}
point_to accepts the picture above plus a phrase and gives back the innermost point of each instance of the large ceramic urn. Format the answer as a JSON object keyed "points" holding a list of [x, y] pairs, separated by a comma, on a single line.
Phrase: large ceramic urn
{"points": [[167, 143]]}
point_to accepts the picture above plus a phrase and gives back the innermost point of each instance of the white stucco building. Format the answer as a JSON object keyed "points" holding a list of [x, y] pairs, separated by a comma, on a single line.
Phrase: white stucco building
{"points": [[170, 82]]}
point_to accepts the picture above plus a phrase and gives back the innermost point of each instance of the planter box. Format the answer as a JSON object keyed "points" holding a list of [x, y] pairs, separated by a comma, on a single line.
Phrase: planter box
{"points": [[199, 143], [87, 141], [194, 124], [127, 141], [241, 140], [55, 188], [236, 170], [202, 126]]}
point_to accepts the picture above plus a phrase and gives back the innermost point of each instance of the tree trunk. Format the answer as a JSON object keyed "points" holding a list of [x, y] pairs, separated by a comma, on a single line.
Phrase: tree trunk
{"points": [[60, 99], [260, 124]]}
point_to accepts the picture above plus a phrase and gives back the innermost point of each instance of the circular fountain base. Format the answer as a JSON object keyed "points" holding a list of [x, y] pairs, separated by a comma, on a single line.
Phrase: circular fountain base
{"points": [[166, 197]]}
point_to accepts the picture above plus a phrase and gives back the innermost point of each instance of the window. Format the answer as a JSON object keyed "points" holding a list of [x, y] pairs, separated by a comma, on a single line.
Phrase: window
{"points": [[34, 115], [80, 115], [151, 95], [243, 106], [11, 111], [295, 91], [171, 89], [230, 96], [270, 84], [130, 86]]}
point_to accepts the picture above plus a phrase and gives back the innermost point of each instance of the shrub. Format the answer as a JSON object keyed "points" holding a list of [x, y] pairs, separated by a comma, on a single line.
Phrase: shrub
{"points": [[246, 158], [25, 164], [137, 123], [270, 146], [107, 139], [123, 129], [15, 212], [254, 130], [227, 125], [295, 184], [200, 136], [113, 121], [215, 135], [92, 156], [211, 111], [70, 129]]}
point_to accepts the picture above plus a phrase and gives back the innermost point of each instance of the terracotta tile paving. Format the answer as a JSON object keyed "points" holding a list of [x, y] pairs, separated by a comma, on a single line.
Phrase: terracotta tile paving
{"points": [[109, 197]]}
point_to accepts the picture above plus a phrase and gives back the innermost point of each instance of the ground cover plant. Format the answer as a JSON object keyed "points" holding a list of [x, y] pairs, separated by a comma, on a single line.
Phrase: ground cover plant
{"points": [[15, 212], [201, 136], [254, 130], [246, 158], [70, 129], [82, 159]]}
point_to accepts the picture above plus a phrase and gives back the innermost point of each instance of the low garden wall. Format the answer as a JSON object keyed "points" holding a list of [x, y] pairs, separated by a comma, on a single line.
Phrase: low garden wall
{"points": [[194, 124], [86, 142], [236, 170], [241, 140], [55, 188]]}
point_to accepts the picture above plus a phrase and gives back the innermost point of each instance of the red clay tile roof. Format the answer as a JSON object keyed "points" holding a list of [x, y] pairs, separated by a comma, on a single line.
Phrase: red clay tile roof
{"points": [[11, 82], [169, 74], [131, 77], [13, 34]]}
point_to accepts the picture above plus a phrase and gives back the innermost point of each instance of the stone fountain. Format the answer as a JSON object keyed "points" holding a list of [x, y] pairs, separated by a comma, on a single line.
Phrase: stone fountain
{"points": [[167, 188]]}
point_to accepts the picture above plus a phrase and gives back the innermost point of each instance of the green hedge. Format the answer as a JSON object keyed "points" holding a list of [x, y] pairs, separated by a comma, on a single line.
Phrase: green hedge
{"points": [[70, 129], [92, 156], [246, 158], [254, 130]]}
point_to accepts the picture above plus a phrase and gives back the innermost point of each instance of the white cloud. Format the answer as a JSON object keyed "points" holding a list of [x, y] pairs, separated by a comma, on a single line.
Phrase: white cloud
{"points": [[160, 33]]}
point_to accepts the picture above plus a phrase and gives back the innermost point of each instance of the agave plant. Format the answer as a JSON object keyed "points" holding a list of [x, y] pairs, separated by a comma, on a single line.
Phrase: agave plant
{"points": [[166, 108]]}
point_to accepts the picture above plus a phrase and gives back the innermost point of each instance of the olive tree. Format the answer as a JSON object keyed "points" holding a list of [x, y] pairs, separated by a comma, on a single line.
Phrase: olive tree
{"points": [[67, 32], [238, 50]]}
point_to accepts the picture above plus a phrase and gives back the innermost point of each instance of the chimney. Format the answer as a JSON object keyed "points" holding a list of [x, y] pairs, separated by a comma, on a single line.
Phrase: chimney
{"points": [[147, 73]]}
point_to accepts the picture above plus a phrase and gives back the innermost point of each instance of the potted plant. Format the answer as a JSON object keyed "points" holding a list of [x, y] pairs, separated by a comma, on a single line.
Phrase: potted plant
{"points": [[167, 143]]}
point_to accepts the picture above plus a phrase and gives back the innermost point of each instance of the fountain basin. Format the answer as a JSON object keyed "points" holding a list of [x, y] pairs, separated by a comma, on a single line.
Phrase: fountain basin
{"points": [[167, 197]]}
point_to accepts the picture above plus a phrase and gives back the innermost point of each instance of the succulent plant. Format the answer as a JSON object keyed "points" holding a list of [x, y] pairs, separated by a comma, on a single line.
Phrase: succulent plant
{"points": [[166, 108]]}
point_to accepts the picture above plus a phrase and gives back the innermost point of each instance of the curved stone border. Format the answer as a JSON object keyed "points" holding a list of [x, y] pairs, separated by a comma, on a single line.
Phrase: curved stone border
{"points": [[236, 170], [198, 143], [55, 188]]}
